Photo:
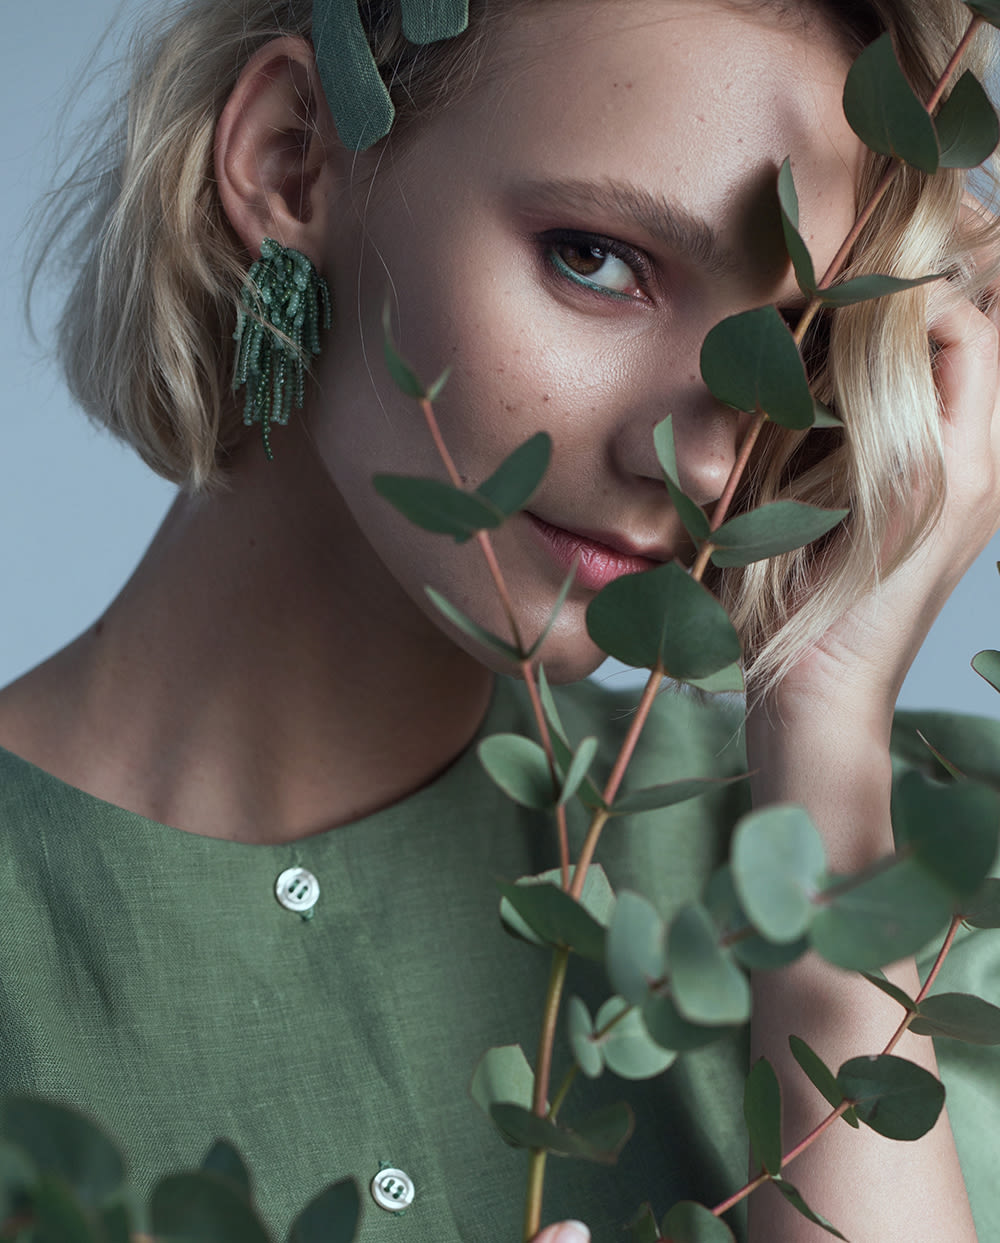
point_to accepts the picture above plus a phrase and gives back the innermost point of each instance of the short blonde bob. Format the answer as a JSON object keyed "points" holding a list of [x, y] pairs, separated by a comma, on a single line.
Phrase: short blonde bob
{"points": [[145, 339]]}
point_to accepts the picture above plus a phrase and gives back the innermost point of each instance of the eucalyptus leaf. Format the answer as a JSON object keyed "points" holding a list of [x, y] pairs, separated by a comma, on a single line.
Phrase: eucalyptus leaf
{"points": [[959, 1016], [824, 416], [966, 124], [972, 744], [663, 619], [688, 1222], [762, 1112], [983, 910], [794, 1198], [867, 288], [798, 252], [518, 765], [943, 760], [578, 769], [750, 361], [400, 371], [203, 1208], [514, 482], [671, 1030], [987, 665], [690, 512], [600, 1138], [332, 1217], [627, 1048], [883, 110], [564, 591], [728, 681], [988, 9], [643, 1228], [707, 986], [471, 628], [17, 1176], [890, 989], [556, 919], [502, 1074], [223, 1159], [885, 914], [60, 1217], [116, 1222], [61, 1142], [580, 1027], [436, 389], [771, 530], [778, 865], [434, 505], [896, 1098], [634, 802], [821, 1077], [636, 947], [747, 946], [928, 813]]}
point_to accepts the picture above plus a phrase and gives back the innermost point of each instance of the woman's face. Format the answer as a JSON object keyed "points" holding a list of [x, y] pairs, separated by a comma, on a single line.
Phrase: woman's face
{"points": [[563, 238]]}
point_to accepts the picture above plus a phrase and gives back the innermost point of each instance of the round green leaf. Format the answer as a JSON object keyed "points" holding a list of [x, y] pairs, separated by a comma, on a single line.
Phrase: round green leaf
{"points": [[891, 990], [578, 768], [795, 1199], [502, 1074], [17, 1177], [564, 591], [926, 816], [636, 952], [203, 1208], [663, 618], [581, 1039], [628, 1049], [332, 1217], [223, 1159], [798, 252], [671, 1030], [519, 767], [600, 1138], [867, 288], [643, 1228], [690, 512], [762, 1112], [987, 665], [63, 1143], [895, 1097], [959, 1016], [513, 483], [60, 1216], [966, 124], [728, 681], [554, 918], [634, 802], [688, 1222], [707, 986], [771, 530], [471, 628], [880, 918], [820, 1076], [778, 865], [747, 946], [750, 361], [434, 505], [883, 110]]}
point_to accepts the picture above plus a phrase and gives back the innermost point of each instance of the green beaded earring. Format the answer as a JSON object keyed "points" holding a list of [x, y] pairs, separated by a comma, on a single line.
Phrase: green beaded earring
{"points": [[285, 302]]}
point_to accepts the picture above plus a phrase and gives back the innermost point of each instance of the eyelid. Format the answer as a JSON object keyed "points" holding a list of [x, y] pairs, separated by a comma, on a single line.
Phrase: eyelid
{"points": [[634, 259]]}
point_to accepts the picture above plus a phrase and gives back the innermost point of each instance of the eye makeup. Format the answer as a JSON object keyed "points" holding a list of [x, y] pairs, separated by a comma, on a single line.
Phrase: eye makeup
{"points": [[598, 254]]}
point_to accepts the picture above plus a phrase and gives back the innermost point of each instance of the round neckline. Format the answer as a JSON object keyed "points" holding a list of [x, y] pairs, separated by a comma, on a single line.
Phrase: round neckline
{"points": [[500, 712]]}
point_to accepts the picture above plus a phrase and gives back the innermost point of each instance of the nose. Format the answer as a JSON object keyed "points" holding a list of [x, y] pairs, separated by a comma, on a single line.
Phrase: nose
{"points": [[706, 432]]}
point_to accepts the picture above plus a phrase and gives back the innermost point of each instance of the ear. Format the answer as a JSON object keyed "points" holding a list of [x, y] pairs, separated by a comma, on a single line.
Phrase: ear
{"points": [[277, 152]]}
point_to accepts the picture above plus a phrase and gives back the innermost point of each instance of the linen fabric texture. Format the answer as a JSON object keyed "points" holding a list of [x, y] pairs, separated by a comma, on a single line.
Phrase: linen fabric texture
{"points": [[149, 977]]}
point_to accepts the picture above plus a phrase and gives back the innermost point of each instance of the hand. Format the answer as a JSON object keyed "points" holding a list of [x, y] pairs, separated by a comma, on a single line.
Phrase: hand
{"points": [[564, 1232]]}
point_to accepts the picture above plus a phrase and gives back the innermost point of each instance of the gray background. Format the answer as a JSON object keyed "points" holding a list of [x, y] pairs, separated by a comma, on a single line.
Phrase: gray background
{"points": [[76, 510]]}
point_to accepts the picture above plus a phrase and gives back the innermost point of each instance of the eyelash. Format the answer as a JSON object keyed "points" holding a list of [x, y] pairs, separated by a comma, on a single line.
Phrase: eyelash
{"points": [[609, 247]]}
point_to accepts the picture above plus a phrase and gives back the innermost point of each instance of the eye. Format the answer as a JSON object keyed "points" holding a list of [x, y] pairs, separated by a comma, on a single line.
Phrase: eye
{"points": [[598, 263]]}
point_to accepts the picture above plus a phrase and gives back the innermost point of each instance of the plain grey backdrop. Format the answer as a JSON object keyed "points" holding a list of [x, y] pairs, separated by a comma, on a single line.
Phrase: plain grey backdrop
{"points": [[76, 509]]}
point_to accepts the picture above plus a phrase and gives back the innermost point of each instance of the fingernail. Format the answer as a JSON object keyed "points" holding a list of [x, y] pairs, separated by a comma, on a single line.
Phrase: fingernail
{"points": [[572, 1232]]}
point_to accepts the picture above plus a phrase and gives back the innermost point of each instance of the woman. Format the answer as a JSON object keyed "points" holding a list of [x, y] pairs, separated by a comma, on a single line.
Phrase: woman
{"points": [[575, 196]]}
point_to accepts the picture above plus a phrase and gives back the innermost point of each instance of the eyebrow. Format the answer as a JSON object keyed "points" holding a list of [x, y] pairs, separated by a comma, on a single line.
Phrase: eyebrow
{"points": [[660, 217]]}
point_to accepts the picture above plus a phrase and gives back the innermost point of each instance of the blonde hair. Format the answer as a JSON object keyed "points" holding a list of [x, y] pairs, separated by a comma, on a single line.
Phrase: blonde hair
{"points": [[145, 339]]}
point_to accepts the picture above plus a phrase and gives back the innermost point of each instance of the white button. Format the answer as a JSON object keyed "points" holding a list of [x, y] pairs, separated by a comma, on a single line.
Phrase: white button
{"points": [[393, 1190], [297, 890]]}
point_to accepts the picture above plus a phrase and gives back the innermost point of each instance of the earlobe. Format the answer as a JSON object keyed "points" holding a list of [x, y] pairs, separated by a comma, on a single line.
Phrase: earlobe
{"points": [[274, 148]]}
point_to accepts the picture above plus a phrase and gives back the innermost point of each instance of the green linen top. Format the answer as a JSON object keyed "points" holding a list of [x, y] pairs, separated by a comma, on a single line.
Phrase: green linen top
{"points": [[149, 977]]}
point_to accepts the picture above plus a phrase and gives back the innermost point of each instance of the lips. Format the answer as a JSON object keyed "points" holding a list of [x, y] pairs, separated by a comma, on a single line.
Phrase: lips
{"points": [[600, 560]]}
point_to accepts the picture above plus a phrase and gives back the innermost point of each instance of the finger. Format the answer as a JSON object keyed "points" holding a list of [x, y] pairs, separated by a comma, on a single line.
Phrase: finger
{"points": [[564, 1232]]}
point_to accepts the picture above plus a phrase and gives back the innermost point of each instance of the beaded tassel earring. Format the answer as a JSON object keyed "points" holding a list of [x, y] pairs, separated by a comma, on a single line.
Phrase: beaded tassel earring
{"points": [[285, 302]]}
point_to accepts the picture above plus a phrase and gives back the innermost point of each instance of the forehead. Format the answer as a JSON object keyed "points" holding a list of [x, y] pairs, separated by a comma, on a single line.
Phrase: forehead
{"points": [[697, 100]]}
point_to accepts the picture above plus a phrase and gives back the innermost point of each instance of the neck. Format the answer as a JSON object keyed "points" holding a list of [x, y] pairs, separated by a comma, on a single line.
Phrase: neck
{"points": [[262, 677]]}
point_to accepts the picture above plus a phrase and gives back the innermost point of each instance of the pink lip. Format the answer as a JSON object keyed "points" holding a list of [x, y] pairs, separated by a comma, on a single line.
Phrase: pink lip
{"points": [[600, 562]]}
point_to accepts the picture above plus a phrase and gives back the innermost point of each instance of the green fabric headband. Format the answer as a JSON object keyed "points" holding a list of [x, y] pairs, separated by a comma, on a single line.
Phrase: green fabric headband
{"points": [[356, 93]]}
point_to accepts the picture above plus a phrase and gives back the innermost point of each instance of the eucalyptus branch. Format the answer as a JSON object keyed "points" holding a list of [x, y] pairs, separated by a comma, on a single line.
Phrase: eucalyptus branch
{"points": [[845, 1105]]}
